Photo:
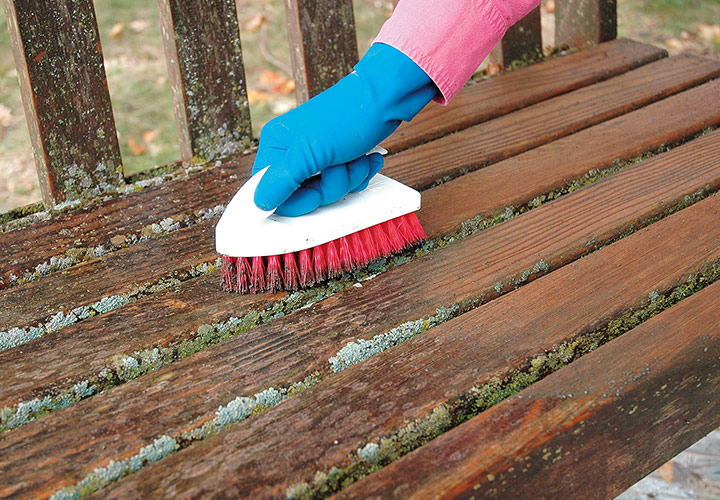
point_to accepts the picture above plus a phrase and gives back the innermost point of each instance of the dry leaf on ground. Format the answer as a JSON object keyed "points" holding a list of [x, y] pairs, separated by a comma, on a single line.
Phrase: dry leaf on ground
{"points": [[117, 29]]}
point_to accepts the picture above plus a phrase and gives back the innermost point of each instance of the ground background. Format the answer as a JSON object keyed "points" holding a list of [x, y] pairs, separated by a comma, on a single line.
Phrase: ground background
{"points": [[137, 77]]}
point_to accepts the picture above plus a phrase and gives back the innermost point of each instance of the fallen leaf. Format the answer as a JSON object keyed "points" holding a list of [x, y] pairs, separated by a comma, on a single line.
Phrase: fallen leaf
{"points": [[139, 25], [117, 29], [258, 97], [255, 23], [277, 82], [150, 135], [5, 116], [135, 148], [709, 32], [549, 6]]}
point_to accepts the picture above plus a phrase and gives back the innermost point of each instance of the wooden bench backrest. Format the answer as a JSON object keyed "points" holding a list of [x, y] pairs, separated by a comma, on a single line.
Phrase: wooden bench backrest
{"points": [[67, 104]]}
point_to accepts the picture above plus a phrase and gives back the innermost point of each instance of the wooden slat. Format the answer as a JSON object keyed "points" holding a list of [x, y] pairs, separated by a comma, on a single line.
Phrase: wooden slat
{"points": [[262, 456], [551, 119], [522, 41], [288, 349], [506, 92], [207, 77], [67, 104], [582, 22], [323, 43], [132, 267], [622, 410], [22, 250], [83, 350]]}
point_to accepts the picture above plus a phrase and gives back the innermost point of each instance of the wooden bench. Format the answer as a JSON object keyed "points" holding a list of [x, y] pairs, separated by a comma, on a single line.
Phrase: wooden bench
{"points": [[556, 337]]}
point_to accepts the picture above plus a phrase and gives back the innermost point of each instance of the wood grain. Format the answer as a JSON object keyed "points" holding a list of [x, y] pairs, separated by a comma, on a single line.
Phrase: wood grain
{"points": [[579, 23], [262, 456], [622, 410], [207, 77], [521, 42], [165, 318], [133, 267], [323, 43], [285, 350], [60, 67], [87, 228], [507, 92], [551, 119]]}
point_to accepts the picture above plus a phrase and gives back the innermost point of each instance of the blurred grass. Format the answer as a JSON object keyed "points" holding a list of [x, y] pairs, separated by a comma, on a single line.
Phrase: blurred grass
{"points": [[140, 91]]}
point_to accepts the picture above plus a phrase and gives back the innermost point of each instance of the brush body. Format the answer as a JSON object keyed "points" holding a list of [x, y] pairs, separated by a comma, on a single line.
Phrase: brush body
{"points": [[264, 252]]}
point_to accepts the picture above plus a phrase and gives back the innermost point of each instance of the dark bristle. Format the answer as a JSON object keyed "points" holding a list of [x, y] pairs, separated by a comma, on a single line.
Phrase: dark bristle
{"points": [[228, 273], [291, 271], [307, 277], [381, 240], [332, 257], [273, 276], [257, 277], [242, 283], [358, 250], [347, 259], [319, 263], [397, 244]]}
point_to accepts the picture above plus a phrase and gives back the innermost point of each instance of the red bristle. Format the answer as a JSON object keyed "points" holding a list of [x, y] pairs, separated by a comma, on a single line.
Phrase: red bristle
{"points": [[370, 245], [397, 244], [346, 256], [319, 263], [358, 250], [415, 227], [257, 278], [332, 258], [274, 278], [228, 273], [405, 230], [242, 281], [381, 240], [291, 271], [307, 277]]}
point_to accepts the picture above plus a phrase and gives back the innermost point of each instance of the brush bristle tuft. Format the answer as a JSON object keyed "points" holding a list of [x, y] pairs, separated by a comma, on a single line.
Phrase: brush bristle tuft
{"points": [[332, 257], [307, 277], [291, 272], [257, 275], [273, 279]]}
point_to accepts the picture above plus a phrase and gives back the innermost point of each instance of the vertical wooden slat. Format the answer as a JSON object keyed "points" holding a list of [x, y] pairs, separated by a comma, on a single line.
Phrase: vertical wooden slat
{"points": [[207, 77], [323, 46], [578, 22], [67, 104], [522, 41]]}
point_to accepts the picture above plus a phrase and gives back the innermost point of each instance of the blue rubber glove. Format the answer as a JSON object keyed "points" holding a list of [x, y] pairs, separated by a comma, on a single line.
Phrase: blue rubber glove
{"points": [[331, 133]]}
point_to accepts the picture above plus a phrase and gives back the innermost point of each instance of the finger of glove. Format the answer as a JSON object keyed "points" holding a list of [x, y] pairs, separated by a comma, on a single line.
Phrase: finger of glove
{"points": [[358, 170], [283, 178], [271, 151], [376, 162], [333, 184], [301, 202]]}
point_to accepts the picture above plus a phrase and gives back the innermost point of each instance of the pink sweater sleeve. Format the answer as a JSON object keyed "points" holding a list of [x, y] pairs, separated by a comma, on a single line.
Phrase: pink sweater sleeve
{"points": [[450, 39]]}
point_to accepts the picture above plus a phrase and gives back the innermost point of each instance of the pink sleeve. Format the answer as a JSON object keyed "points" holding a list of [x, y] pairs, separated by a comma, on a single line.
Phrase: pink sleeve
{"points": [[450, 39]]}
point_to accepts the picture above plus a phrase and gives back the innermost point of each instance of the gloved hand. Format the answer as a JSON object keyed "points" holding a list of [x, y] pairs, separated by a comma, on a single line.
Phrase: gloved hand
{"points": [[331, 133]]}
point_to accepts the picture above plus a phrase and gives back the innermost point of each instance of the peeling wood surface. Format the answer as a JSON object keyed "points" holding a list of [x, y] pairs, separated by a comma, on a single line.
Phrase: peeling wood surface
{"points": [[579, 23], [522, 41], [511, 182], [25, 249], [419, 167], [60, 67], [624, 409], [207, 77], [288, 350], [372, 399], [322, 42]]}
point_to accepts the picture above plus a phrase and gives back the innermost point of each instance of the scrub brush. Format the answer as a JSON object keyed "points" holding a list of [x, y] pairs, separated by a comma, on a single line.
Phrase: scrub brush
{"points": [[263, 252]]}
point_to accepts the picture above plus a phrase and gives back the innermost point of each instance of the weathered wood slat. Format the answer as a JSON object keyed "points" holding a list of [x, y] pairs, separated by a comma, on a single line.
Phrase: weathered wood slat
{"points": [[23, 250], [286, 350], [507, 92], [263, 456], [639, 400], [579, 23], [475, 146], [67, 104], [323, 43], [522, 41], [207, 77], [530, 127], [82, 350]]}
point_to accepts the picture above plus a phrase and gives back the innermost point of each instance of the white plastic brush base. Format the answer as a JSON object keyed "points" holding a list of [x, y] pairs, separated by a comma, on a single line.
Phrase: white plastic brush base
{"points": [[246, 231]]}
